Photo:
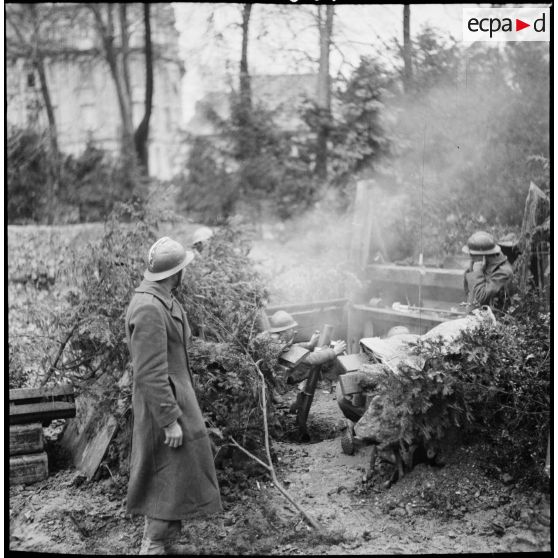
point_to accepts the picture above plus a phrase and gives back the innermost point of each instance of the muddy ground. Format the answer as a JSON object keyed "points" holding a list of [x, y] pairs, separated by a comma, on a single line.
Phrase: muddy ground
{"points": [[462, 507]]}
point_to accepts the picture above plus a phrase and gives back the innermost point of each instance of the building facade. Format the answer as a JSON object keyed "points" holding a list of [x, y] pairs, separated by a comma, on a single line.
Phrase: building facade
{"points": [[82, 90]]}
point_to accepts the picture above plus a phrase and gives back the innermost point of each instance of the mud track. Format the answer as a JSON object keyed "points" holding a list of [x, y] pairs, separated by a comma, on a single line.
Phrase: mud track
{"points": [[458, 508]]}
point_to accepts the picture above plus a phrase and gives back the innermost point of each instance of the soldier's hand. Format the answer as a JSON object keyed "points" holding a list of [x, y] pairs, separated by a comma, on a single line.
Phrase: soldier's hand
{"points": [[339, 347], [173, 434], [315, 338]]}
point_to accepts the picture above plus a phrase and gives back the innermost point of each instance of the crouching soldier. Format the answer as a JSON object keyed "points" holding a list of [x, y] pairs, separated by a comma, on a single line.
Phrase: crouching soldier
{"points": [[487, 280], [301, 361]]}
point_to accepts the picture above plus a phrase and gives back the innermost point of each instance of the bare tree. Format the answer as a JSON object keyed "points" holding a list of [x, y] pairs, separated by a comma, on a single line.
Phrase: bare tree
{"points": [[407, 50], [116, 58], [245, 93], [323, 96], [141, 135], [28, 41]]}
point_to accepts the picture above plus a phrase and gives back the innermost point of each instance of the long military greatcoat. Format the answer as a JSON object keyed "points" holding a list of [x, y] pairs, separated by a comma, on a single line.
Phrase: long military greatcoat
{"points": [[165, 483]]}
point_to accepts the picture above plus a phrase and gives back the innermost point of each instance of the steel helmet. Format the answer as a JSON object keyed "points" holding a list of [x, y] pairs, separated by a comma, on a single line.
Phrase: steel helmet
{"points": [[166, 257], [481, 243], [281, 321], [397, 330], [201, 235]]}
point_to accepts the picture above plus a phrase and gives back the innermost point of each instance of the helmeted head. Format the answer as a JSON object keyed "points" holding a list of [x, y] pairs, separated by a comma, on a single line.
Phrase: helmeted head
{"points": [[397, 330], [201, 235], [481, 243], [281, 321], [165, 258]]}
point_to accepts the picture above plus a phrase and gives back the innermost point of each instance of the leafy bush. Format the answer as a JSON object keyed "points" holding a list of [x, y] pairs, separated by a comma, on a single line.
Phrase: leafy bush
{"points": [[86, 336], [27, 165], [497, 388], [90, 183]]}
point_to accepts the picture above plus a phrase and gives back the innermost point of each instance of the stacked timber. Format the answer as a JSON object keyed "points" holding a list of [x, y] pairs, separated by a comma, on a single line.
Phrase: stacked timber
{"points": [[30, 410]]}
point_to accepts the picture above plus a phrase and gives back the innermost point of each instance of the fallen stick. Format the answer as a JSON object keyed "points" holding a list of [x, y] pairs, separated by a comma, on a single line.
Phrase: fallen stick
{"points": [[269, 466]]}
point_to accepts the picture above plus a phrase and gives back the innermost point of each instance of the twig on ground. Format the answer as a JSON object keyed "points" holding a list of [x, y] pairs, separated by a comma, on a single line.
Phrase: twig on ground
{"points": [[269, 466]]}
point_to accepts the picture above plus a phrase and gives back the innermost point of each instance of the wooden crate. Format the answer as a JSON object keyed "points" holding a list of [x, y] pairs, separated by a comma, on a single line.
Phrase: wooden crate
{"points": [[26, 438], [26, 469]]}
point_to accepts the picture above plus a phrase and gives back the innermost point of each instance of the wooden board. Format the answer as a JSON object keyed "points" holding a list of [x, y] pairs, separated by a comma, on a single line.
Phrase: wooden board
{"points": [[26, 469], [294, 355], [350, 363], [59, 392], [26, 438], [349, 383], [41, 412], [411, 275], [87, 436]]}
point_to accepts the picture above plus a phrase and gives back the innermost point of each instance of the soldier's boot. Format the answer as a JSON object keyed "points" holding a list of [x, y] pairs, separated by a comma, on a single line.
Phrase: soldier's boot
{"points": [[152, 547], [180, 549], [348, 438]]}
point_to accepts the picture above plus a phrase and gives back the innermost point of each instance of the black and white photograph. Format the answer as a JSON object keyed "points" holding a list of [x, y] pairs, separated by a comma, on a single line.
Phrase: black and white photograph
{"points": [[278, 278]]}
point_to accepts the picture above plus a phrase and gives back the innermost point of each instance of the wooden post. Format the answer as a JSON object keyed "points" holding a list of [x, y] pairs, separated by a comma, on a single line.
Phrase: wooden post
{"points": [[325, 335], [359, 218], [537, 206]]}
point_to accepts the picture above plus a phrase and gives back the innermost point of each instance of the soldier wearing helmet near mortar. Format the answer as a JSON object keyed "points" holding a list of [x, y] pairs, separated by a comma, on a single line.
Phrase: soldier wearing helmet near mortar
{"points": [[488, 277], [172, 474], [200, 238], [282, 329]]}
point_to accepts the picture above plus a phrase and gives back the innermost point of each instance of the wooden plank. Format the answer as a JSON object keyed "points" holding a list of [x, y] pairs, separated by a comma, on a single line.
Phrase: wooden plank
{"points": [[27, 469], [359, 215], [302, 306], [41, 412], [410, 275], [294, 355], [350, 363], [349, 383], [88, 435], [26, 438], [56, 392]]}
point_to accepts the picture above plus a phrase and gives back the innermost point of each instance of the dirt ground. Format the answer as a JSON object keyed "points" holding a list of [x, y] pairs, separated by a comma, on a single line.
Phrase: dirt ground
{"points": [[458, 508]]}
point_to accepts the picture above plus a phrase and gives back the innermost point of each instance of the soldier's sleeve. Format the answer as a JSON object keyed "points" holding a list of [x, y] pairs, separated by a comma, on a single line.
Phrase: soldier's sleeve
{"points": [[319, 357], [482, 287], [148, 345]]}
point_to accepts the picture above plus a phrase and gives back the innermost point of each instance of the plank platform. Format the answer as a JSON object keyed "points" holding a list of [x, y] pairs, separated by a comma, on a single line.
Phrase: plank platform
{"points": [[33, 395], [41, 412]]}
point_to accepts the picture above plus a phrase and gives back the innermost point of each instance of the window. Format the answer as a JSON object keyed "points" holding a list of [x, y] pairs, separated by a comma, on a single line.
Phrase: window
{"points": [[31, 79]]}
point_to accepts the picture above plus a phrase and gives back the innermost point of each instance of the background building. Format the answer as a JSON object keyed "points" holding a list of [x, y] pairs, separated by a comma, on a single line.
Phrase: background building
{"points": [[82, 90]]}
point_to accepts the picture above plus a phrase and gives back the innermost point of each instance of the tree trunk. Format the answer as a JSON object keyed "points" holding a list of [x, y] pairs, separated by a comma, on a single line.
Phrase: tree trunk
{"points": [[141, 135], [123, 13], [245, 93], [124, 103], [323, 97], [407, 54], [54, 174], [244, 108]]}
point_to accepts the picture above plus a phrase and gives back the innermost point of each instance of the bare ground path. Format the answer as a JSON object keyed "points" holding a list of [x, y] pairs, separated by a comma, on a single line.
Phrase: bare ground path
{"points": [[453, 509]]}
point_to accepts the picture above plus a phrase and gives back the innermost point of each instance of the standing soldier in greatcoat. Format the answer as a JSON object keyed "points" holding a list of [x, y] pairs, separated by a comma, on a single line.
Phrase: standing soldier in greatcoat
{"points": [[172, 474]]}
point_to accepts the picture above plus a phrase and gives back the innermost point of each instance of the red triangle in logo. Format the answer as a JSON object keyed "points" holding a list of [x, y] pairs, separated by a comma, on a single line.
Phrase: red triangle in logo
{"points": [[519, 25]]}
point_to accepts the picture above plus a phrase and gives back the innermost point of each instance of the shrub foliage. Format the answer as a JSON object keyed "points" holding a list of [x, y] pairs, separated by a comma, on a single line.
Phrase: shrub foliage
{"points": [[497, 389]]}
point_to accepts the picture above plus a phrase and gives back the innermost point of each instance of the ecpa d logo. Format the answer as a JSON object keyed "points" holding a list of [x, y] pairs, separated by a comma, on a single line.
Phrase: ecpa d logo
{"points": [[506, 24]]}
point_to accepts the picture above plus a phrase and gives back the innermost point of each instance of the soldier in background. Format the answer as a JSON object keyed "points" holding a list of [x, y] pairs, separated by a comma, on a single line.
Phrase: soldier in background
{"points": [[200, 238], [488, 278]]}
